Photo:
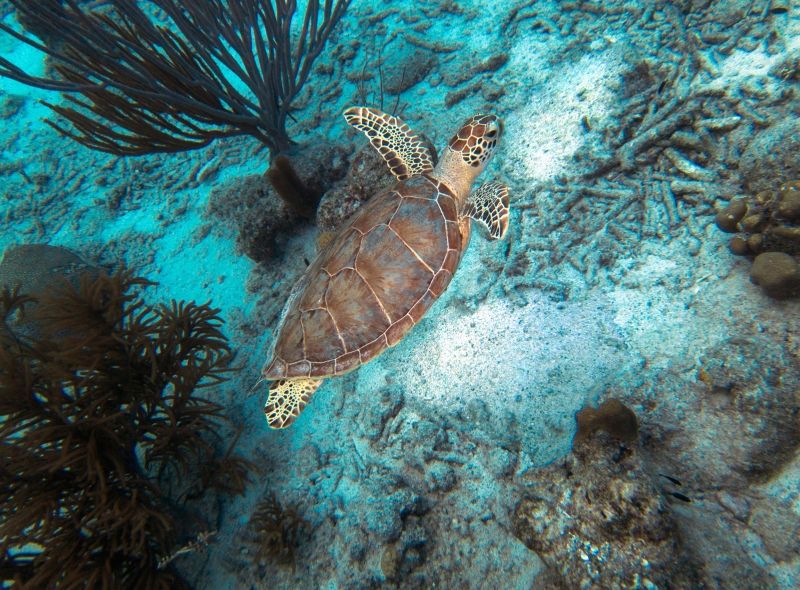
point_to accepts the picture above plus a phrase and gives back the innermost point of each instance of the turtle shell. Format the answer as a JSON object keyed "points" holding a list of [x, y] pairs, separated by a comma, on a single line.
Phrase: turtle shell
{"points": [[372, 283]]}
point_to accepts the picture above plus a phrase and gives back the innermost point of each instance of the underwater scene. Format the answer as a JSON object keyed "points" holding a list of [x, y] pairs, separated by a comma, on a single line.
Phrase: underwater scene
{"points": [[348, 294]]}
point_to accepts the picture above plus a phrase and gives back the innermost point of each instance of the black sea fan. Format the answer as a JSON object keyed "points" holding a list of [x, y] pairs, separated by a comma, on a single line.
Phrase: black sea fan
{"points": [[96, 416], [172, 75]]}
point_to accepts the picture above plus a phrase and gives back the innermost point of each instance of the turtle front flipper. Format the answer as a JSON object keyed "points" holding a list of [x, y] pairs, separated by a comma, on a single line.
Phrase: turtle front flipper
{"points": [[489, 205], [287, 398], [404, 152]]}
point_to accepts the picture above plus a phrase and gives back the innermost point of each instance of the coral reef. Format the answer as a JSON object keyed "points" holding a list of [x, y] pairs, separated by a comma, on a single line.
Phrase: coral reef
{"points": [[265, 209], [629, 124], [366, 177], [599, 520], [650, 142], [770, 226], [261, 218], [102, 430]]}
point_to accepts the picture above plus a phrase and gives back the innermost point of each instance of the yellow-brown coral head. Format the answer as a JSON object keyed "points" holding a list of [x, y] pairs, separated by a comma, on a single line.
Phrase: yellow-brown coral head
{"points": [[477, 139]]}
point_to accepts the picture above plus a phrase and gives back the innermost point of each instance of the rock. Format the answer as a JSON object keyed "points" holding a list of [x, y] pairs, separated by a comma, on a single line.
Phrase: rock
{"points": [[778, 525], [501, 462], [261, 218], [773, 155], [390, 561], [789, 202], [407, 67], [753, 401], [777, 273], [788, 65], [769, 220], [36, 268], [728, 218], [738, 246], [728, 561], [440, 477], [755, 243], [368, 175], [390, 401], [599, 521], [728, 13], [384, 518], [737, 505]]}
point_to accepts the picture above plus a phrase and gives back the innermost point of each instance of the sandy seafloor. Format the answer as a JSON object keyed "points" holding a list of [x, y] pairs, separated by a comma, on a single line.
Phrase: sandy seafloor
{"points": [[409, 470]]}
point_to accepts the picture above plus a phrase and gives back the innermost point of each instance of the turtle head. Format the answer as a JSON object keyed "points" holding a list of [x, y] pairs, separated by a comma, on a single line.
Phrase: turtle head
{"points": [[469, 151], [477, 140]]}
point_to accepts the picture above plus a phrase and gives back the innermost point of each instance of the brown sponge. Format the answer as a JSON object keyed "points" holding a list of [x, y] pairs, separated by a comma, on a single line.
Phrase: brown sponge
{"points": [[612, 417]]}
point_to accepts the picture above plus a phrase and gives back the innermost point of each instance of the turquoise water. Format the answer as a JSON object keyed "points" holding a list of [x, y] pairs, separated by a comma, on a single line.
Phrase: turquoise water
{"points": [[606, 397]]}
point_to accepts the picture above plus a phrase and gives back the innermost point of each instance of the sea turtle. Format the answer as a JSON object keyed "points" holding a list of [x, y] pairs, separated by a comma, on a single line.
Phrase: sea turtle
{"points": [[389, 262]]}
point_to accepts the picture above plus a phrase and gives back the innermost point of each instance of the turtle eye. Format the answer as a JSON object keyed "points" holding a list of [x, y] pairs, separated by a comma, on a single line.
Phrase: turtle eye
{"points": [[492, 133]]}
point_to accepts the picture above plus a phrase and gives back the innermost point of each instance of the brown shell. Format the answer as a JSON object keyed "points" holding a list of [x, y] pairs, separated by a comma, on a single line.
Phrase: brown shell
{"points": [[373, 283]]}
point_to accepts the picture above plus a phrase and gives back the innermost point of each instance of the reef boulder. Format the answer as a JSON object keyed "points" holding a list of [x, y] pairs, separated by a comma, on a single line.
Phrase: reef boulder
{"points": [[598, 520], [367, 175]]}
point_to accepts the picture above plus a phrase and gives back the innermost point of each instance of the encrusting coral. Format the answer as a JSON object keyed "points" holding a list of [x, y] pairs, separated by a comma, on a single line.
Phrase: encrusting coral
{"points": [[770, 222], [37, 268], [101, 429]]}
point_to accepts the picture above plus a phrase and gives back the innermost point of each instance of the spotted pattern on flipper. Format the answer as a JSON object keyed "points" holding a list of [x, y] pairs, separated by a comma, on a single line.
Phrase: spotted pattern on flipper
{"points": [[404, 152], [489, 205], [477, 139], [287, 398]]}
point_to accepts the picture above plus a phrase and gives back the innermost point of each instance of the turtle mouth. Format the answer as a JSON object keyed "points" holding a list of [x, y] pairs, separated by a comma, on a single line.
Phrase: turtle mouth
{"points": [[496, 128]]}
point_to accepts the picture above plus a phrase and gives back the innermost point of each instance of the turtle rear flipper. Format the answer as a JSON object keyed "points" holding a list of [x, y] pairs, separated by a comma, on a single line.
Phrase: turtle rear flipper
{"points": [[489, 205], [287, 398], [404, 152]]}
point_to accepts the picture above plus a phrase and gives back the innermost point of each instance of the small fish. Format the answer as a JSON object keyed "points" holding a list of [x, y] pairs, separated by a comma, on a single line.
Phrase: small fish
{"points": [[672, 479], [680, 496]]}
